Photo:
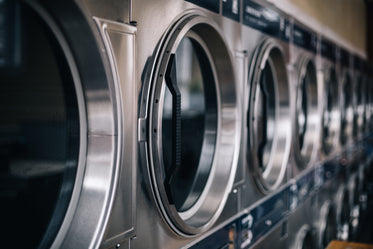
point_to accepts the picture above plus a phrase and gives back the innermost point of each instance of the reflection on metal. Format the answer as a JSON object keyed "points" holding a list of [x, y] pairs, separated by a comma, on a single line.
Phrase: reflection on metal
{"points": [[305, 238], [268, 120], [330, 115], [358, 106], [347, 113], [328, 226], [202, 162], [307, 120], [192, 168], [92, 130], [344, 215]]}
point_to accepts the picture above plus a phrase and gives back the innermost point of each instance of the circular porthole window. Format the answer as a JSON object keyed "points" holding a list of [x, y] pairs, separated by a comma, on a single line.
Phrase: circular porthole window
{"points": [[46, 153], [328, 224], [330, 114], [306, 116], [358, 122], [366, 104], [305, 238], [193, 125], [347, 113], [370, 105], [344, 216], [268, 117]]}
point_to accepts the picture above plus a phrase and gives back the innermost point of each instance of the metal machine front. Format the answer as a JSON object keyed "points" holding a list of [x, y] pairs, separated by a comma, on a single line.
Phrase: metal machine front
{"points": [[62, 126], [178, 124], [192, 126]]}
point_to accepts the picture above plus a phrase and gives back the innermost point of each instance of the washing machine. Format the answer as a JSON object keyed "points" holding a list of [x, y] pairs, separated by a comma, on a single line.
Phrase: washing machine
{"points": [[358, 98], [330, 117], [188, 122], [266, 139], [346, 97], [63, 123], [342, 201], [302, 234], [326, 224], [307, 91], [266, 124]]}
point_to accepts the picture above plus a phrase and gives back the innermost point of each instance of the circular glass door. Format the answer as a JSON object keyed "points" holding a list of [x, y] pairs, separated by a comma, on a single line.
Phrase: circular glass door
{"points": [[367, 114], [193, 125], [40, 136], [45, 149], [330, 115], [305, 238], [307, 116], [358, 123], [344, 216], [328, 224], [267, 120], [347, 112], [189, 123]]}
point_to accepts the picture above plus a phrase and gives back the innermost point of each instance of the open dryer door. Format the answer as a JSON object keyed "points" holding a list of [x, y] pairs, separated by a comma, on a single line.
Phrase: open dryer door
{"points": [[193, 127]]}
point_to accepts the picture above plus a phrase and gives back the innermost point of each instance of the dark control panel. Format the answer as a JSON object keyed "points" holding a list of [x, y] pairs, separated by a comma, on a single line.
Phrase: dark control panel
{"points": [[305, 38]]}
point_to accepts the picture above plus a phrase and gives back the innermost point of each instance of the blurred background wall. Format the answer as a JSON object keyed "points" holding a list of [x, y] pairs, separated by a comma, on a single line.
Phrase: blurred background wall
{"points": [[347, 20]]}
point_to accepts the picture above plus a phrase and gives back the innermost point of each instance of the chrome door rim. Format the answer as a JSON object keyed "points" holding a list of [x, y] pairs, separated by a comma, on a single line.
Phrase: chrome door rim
{"points": [[100, 128], [272, 177], [305, 152], [210, 204]]}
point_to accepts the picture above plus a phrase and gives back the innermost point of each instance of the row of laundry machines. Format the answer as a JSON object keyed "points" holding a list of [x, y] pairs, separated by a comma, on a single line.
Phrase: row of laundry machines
{"points": [[178, 124]]}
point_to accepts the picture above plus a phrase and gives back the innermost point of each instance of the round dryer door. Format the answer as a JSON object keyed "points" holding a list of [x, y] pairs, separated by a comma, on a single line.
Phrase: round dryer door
{"points": [[46, 155], [330, 114], [305, 238], [344, 215], [366, 104], [369, 104], [328, 225], [268, 117], [193, 125], [358, 124], [347, 112], [306, 116]]}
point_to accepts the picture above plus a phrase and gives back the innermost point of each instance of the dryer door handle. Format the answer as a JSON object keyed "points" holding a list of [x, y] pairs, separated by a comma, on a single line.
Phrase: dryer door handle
{"points": [[171, 82]]}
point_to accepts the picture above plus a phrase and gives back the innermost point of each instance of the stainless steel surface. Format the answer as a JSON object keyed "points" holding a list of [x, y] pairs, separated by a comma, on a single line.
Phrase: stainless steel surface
{"points": [[330, 114], [327, 224], [307, 116], [305, 238], [120, 42], [268, 123], [358, 105], [219, 150], [346, 105], [254, 177], [101, 122]]}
